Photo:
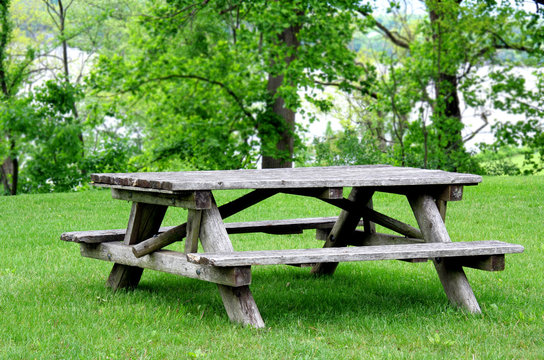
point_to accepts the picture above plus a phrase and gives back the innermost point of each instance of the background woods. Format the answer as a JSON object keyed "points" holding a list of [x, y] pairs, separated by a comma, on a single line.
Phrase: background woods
{"points": [[101, 86]]}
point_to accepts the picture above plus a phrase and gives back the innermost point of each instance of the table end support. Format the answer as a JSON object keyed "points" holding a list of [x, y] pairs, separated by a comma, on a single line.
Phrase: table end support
{"points": [[124, 277], [240, 305], [456, 286], [144, 221], [430, 215]]}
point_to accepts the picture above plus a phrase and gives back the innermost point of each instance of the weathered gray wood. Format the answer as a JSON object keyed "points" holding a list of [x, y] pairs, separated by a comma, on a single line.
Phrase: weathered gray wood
{"points": [[176, 233], [94, 236], [316, 177], [179, 232], [442, 207], [368, 225], [362, 238], [487, 263], [288, 226], [429, 219], [278, 227], [193, 231], [327, 193], [452, 276], [188, 200], [451, 193], [342, 230], [167, 261], [376, 217], [144, 221], [238, 301], [357, 253]]}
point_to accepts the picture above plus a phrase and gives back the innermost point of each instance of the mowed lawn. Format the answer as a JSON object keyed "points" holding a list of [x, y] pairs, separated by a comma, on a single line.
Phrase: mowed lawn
{"points": [[53, 303]]}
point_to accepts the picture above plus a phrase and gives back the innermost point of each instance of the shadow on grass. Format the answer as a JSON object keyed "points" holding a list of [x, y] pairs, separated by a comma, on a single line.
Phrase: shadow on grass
{"points": [[282, 293]]}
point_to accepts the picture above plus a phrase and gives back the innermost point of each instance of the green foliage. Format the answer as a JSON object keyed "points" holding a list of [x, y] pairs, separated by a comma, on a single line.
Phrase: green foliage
{"points": [[430, 62], [201, 77], [55, 149], [346, 147]]}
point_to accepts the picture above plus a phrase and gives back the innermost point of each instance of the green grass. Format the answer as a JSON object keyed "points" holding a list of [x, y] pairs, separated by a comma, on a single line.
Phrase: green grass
{"points": [[53, 303]]}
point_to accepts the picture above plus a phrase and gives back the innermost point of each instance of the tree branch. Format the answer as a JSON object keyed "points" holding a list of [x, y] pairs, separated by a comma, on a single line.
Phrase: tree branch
{"points": [[393, 37], [338, 85], [228, 90], [475, 132]]}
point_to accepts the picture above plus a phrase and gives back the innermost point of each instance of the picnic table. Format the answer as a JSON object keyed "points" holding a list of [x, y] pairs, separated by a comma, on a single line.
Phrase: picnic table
{"points": [[351, 236]]}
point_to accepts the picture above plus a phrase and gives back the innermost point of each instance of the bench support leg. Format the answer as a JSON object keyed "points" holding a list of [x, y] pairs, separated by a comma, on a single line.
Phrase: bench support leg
{"points": [[430, 218], [343, 229], [239, 303], [144, 222]]}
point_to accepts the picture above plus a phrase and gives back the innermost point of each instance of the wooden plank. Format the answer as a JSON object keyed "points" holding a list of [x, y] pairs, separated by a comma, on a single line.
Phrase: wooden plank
{"points": [[362, 238], [359, 253], [176, 234], [187, 200], [315, 177], [452, 276], [238, 301], [167, 261], [94, 236], [342, 230], [486, 263], [193, 231], [289, 226], [144, 221], [441, 192]]}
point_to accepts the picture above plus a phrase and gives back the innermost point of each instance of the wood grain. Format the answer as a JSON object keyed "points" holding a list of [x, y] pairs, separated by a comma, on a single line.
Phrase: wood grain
{"points": [[238, 301], [314, 177], [187, 200], [288, 226], [452, 275], [144, 221], [362, 253], [167, 261]]}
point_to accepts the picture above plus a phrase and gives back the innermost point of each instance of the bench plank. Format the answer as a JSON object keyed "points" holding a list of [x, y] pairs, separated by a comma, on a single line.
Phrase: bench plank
{"points": [[168, 261], [363, 253], [291, 226]]}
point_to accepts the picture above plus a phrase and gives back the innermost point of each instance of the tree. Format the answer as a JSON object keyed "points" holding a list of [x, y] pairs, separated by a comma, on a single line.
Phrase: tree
{"points": [[14, 69], [437, 58], [249, 78]]}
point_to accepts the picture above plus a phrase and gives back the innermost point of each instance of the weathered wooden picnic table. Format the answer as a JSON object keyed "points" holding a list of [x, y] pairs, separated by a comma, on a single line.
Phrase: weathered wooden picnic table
{"points": [[428, 191]]}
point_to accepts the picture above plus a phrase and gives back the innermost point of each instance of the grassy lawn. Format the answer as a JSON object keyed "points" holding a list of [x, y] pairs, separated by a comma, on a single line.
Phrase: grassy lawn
{"points": [[53, 303]]}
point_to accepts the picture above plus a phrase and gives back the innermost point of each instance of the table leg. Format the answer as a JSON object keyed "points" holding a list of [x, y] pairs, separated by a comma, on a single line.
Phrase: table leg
{"points": [[343, 228], [430, 218], [238, 301], [144, 222]]}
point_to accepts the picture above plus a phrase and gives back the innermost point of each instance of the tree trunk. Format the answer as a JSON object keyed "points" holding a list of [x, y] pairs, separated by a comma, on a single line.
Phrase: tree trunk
{"points": [[285, 143], [65, 64], [284, 118], [447, 109], [9, 173]]}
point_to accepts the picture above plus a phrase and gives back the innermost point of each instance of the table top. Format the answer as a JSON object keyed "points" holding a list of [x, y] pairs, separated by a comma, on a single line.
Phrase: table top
{"points": [[293, 178]]}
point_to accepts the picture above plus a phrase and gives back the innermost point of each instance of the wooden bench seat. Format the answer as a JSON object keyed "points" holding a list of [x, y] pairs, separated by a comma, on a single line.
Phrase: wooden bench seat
{"points": [[291, 226], [359, 253]]}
